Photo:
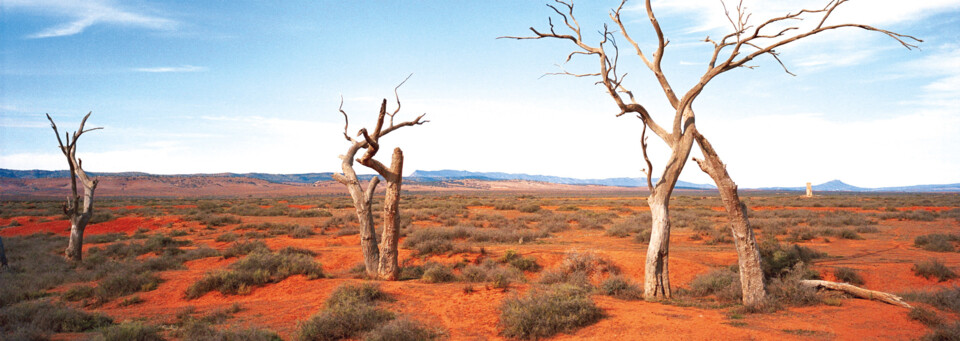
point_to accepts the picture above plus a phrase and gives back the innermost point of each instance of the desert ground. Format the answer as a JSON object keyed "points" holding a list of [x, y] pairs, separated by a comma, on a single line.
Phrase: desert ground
{"points": [[466, 253]]}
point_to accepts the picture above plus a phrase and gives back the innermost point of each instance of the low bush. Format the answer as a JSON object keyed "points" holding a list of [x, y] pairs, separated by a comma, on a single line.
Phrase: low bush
{"points": [[493, 272], [126, 282], [138, 331], [777, 259], [243, 248], [643, 236], [543, 313], [723, 283], [786, 289], [926, 316], [256, 269], [104, 238], [227, 237], [402, 329], [350, 311], [302, 232], [848, 275], [946, 298], [211, 220], [944, 332], [78, 293], [514, 259], [529, 208], [581, 269], [867, 229], [309, 213], [41, 318], [622, 288], [936, 242], [933, 268], [438, 273]]}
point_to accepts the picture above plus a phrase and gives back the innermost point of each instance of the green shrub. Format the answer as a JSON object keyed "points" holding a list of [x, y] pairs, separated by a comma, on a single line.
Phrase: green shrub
{"points": [[946, 298], [101, 216], [214, 219], [620, 287], [786, 289], [227, 237], [103, 238], [349, 312], [522, 263], [132, 331], [529, 208], [577, 268], [302, 232], [936, 242], [848, 275], [438, 273], [722, 283], [256, 269], [126, 282], [933, 268], [926, 316], [78, 293], [402, 329], [643, 236], [310, 213], [543, 313], [777, 259], [44, 318], [243, 248], [944, 332]]}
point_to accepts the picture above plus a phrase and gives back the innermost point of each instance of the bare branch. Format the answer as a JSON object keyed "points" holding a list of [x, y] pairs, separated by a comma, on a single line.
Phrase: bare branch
{"points": [[397, 95], [346, 120], [643, 146]]}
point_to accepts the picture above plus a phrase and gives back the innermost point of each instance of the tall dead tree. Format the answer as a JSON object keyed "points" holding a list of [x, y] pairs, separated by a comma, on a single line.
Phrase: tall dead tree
{"points": [[380, 262], [79, 216], [740, 47]]}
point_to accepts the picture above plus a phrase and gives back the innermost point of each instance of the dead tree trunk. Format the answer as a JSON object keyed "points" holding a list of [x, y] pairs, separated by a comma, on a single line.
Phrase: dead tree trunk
{"points": [[379, 261], [748, 254], [79, 216], [389, 268]]}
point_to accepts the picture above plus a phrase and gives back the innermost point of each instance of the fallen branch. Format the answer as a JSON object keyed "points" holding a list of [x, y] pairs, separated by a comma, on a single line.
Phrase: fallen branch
{"points": [[856, 291]]}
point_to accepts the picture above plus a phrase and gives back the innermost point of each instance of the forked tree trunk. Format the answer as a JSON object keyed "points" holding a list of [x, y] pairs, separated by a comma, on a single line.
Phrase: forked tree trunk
{"points": [[389, 266], [78, 223], [79, 217], [748, 254], [656, 284], [363, 203]]}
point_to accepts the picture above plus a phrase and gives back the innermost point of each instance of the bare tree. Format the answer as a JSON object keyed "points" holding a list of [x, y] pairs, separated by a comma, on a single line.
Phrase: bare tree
{"points": [[79, 216], [738, 48], [379, 261]]}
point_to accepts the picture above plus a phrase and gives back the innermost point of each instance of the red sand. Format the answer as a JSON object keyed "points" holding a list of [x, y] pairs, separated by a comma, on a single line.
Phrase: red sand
{"points": [[884, 259]]}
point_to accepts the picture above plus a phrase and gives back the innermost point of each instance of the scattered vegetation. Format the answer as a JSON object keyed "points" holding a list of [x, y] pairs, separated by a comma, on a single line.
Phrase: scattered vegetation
{"points": [[543, 313], [848, 275], [937, 242], [933, 268], [256, 269]]}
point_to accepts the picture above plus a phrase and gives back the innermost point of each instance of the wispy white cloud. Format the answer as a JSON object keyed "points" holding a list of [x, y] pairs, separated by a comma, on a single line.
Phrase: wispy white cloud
{"points": [[182, 68], [83, 14]]}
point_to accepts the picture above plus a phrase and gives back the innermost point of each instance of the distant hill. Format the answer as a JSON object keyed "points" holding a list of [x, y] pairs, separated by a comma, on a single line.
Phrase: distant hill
{"points": [[427, 177], [446, 175], [840, 186]]}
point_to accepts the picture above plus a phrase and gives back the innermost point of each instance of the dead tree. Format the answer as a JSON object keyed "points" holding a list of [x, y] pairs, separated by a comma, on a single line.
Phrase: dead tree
{"points": [[745, 44], [79, 216], [380, 262]]}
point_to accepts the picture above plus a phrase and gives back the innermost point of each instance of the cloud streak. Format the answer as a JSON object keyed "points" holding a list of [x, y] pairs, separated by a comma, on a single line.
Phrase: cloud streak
{"points": [[162, 69], [84, 14]]}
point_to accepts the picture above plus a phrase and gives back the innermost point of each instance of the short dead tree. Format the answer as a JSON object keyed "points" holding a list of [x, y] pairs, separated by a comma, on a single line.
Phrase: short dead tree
{"points": [[380, 262], [79, 215]]}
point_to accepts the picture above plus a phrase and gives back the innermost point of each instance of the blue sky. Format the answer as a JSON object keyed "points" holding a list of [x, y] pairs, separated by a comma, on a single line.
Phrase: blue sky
{"points": [[254, 86]]}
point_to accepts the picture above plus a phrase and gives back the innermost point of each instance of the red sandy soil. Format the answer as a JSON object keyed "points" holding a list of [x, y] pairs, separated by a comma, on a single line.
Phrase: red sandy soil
{"points": [[127, 225], [884, 259], [143, 186]]}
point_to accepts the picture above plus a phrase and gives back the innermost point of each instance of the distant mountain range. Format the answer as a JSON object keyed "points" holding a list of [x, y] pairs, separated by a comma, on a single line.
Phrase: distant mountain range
{"points": [[453, 175]]}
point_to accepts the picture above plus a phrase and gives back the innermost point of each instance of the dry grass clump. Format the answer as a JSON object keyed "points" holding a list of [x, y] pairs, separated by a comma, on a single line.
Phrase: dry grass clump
{"points": [[490, 271], [514, 259], [620, 287], [351, 313], [132, 331], [256, 269], [39, 319], [848, 275], [937, 242], [722, 283], [543, 313], [582, 269], [933, 268]]}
